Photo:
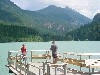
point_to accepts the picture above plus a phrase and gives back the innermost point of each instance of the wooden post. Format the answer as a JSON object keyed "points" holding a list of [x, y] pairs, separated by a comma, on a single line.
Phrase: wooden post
{"points": [[65, 69], [89, 70], [48, 69], [43, 68], [31, 56], [46, 56], [48, 52], [92, 70], [9, 53], [63, 57], [80, 59], [20, 64], [16, 63], [28, 69], [89, 67], [25, 65], [39, 71], [56, 70], [89, 57]]}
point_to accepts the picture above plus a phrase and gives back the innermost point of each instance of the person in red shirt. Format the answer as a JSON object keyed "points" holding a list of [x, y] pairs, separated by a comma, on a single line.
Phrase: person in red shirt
{"points": [[23, 50]]}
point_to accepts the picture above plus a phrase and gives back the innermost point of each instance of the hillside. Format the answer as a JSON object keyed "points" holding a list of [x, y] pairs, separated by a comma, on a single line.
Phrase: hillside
{"points": [[50, 23], [63, 19], [65, 14], [47, 20], [89, 32]]}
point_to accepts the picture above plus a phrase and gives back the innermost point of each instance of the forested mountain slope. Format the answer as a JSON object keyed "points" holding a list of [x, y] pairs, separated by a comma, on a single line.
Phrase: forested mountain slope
{"points": [[89, 32], [50, 23], [51, 19]]}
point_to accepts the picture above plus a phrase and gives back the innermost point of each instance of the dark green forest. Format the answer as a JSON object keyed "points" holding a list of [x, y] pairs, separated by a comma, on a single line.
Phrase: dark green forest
{"points": [[12, 33]]}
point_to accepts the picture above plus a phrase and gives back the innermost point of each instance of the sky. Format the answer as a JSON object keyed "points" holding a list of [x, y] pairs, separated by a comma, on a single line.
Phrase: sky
{"points": [[88, 8]]}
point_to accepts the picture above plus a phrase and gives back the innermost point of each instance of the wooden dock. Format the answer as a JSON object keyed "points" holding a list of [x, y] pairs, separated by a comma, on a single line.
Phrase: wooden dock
{"points": [[17, 66], [89, 63]]}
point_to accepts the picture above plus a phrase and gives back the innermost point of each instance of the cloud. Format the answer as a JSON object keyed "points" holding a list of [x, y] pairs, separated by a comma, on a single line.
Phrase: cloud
{"points": [[86, 7], [29, 4], [23, 4]]}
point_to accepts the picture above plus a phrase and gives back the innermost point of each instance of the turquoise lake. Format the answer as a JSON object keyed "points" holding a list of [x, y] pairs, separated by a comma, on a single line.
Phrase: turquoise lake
{"points": [[63, 46]]}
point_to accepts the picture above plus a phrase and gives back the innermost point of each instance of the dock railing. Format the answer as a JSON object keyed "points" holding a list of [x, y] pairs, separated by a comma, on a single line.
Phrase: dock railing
{"points": [[46, 55], [11, 57], [18, 66], [15, 62], [89, 62]]}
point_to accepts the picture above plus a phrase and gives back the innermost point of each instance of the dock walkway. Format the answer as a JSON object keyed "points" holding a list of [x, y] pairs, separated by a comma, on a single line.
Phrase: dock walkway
{"points": [[20, 67]]}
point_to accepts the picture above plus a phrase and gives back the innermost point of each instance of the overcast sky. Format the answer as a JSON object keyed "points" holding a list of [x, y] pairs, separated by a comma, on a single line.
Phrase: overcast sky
{"points": [[86, 7]]}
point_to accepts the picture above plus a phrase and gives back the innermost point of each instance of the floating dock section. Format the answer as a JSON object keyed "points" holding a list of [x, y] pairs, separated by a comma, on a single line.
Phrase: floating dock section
{"points": [[20, 65]]}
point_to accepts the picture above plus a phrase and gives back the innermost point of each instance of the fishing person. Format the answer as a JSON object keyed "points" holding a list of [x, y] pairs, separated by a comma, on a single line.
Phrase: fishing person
{"points": [[23, 50], [54, 52]]}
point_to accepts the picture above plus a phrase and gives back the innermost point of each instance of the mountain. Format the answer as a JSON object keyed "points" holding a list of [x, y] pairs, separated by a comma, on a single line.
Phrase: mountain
{"points": [[50, 23], [96, 18], [5, 14], [89, 32], [67, 14], [65, 17], [47, 20]]}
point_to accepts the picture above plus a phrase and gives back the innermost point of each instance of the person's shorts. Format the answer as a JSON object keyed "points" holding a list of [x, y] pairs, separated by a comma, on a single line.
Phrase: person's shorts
{"points": [[54, 55]]}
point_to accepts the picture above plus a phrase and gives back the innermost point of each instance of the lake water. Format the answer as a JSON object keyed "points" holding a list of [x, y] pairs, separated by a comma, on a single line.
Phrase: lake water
{"points": [[63, 46]]}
